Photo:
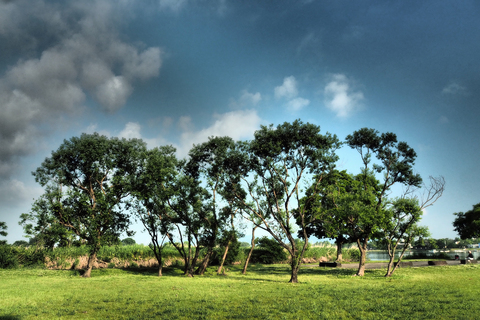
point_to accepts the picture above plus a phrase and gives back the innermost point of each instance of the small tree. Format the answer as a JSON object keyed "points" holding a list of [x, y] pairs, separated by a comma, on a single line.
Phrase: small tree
{"points": [[406, 212], [210, 165], [128, 242], [153, 189], [331, 222], [394, 162], [96, 175]]}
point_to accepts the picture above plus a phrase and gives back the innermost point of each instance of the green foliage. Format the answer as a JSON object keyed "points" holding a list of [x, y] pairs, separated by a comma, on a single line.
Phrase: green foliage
{"points": [[351, 254], [128, 241], [20, 243], [8, 257], [87, 179], [3, 227], [467, 224], [235, 253], [268, 251]]}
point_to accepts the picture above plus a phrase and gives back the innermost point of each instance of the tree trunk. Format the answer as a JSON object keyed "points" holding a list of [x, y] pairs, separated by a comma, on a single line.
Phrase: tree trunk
{"points": [[295, 266], [160, 270], [223, 259], [390, 266], [339, 251], [91, 260], [363, 256], [249, 252], [203, 266]]}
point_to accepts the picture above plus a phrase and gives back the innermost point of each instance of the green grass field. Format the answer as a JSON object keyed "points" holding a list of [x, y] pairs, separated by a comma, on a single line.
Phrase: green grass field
{"points": [[440, 292]]}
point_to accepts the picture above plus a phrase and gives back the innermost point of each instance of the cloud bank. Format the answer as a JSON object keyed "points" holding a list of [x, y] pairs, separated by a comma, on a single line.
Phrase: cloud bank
{"points": [[78, 55]]}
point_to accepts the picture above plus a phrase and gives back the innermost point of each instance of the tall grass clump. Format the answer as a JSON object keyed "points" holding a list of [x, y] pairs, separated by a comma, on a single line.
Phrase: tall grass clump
{"points": [[319, 252]]}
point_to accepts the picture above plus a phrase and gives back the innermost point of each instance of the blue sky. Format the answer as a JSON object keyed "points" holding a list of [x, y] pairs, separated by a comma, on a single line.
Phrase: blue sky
{"points": [[176, 72]]}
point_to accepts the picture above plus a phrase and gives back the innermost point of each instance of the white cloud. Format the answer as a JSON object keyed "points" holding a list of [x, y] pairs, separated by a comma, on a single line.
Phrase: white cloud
{"points": [[131, 130], [297, 104], [340, 98], [454, 88], [247, 99], [113, 93], [288, 89], [238, 125]]}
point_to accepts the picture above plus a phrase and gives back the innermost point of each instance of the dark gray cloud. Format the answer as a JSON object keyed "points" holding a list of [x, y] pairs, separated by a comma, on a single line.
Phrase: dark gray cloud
{"points": [[78, 54]]}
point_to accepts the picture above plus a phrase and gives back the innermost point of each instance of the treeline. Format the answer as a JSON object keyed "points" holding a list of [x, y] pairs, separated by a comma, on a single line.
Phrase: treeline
{"points": [[283, 182], [266, 251]]}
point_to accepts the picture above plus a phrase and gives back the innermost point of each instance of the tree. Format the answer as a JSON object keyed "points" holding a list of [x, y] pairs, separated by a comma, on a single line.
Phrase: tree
{"points": [[3, 233], [128, 242], [153, 189], [278, 161], [331, 222], [405, 214], [210, 165], [96, 174], [394, 162], [467, 224], [187, 218]]}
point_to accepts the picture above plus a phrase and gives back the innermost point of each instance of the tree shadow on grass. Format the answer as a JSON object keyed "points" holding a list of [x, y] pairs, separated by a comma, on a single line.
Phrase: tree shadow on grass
{"points": [[340, 272], [10, 317]]}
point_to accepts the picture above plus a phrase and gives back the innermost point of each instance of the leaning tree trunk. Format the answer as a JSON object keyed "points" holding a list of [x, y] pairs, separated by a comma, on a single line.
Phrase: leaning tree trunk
{"points": [[363, 255], [223, 258], [203, 266], [249, 252], [92, 258], [391, 254]]}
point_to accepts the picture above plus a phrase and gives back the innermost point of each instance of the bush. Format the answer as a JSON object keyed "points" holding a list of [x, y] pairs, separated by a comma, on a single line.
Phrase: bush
{"points": [[352, 254], [8, 258], [31, 257], [268, 251]]}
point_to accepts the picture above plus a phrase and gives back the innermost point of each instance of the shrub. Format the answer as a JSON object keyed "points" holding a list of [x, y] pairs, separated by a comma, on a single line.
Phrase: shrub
{"points": [[8, 258], [31, 257], [268, 251], [352, 254]]}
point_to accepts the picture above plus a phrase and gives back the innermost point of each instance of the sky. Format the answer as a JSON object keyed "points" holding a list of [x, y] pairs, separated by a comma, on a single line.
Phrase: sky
{"points": [[178, 71]]}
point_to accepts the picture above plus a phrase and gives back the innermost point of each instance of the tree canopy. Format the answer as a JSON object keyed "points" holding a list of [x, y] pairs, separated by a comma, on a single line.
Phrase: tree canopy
{"points": [[91, 176], [467, 224], [283, 181]]}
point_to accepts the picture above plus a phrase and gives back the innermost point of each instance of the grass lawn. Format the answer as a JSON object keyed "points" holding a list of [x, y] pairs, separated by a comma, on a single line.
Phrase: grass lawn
{"points": [[440, 292]]}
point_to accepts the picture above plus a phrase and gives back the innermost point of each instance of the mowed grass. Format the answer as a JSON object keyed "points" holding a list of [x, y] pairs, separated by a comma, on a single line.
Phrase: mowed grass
{"points": [[437, 292]]}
